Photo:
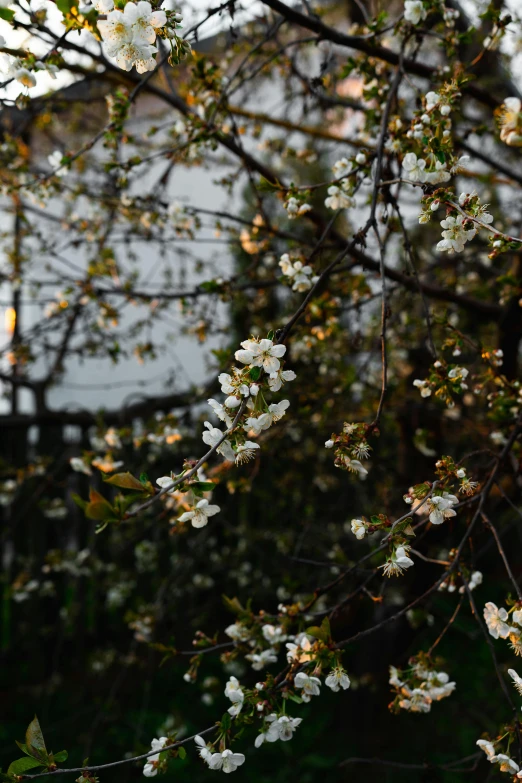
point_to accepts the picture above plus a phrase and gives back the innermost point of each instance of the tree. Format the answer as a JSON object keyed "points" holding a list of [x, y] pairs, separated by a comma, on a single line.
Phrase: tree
{"points": [[189, 563]]}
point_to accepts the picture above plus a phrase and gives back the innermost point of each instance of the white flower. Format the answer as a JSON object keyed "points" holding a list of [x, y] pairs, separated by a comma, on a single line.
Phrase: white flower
{"points": [[274, 633], [496, 621], [25, 77], [487, 747], [212, 437], [282, 728], [112, 439], [261, 354], [517, 617], [506, 764], [276, 379], [275, 412], [342, 168], [439, 175], [358, 529], [150, 769], [510, 119], [166, 481], [233, 690], [337, 679], [310, 685], [455, 235], [338, 199], [262, 659], [220, 412], [238, 632], [398, 561], [203, 751], [300, 275], [414, 11], [80, 466], [441, 507], [329, 444], [226, 383], [54, 160], [103, 6], [355, 466], [517, 680], [227, 761], [246, 452], [200, 513], [293, 208], [300, 649], [415, 167], [423, 387]]}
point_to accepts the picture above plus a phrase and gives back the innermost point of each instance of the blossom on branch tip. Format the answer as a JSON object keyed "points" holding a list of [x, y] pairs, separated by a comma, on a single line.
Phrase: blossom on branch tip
{"points": [[358, 529], [261, 354], [226, 761]]}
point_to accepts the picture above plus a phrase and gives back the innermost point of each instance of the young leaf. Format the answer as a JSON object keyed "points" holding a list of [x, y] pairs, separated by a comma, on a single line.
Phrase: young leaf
{"points": [[34, 737], [126, 481], [20, 766], [62, 755], [182, 753]]}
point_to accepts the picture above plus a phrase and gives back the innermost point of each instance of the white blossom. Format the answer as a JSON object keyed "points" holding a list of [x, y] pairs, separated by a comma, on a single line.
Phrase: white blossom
{"points": [[496, 621], [246, 452], [441, 507], [226, 761], [212, 437], [150, 769], [338, 199], [199, 515], [262, 659], [487, 747], [261, 354], [358, 529], [337, 679], [415, 167], [414, 11], [455, 235], [310, 686], [276, 379], [80, 466]]}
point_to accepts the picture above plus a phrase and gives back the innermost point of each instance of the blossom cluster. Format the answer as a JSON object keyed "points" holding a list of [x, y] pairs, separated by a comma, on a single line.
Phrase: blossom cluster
{"points": [[300, 275], [418, 687], [129, 35], [443, 381], [340, 195]]}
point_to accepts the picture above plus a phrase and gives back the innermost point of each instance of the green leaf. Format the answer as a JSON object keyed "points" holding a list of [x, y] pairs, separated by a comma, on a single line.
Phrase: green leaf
{"points": [[62, 755], [65, 5], [318, 633], [34, 737], [23, 748], [182, 753], [20, 766], [270, 335], [233, 604], [125, 481], [226, 721], [99, 511], [255, 373], [204, 486], [80, 502], [7, 14]]}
